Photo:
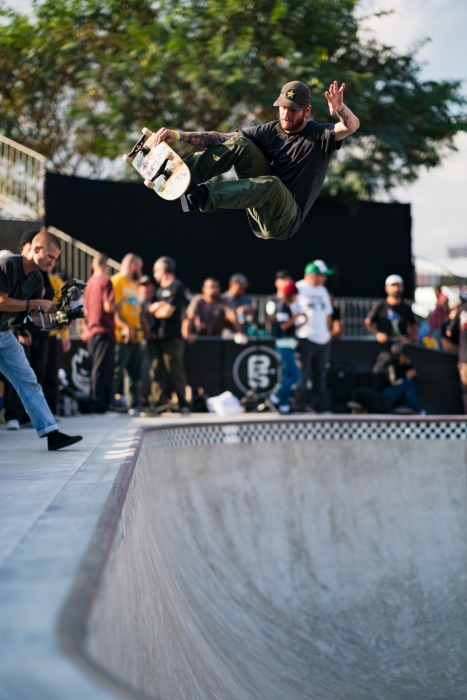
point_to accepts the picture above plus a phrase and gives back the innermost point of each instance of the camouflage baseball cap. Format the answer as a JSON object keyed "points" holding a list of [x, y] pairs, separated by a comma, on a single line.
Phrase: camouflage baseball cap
{"points": [[295, 95]]}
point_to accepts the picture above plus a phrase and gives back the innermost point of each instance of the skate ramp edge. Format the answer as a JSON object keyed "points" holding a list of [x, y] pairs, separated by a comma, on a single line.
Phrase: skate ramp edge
{"points": [[281, 560]]}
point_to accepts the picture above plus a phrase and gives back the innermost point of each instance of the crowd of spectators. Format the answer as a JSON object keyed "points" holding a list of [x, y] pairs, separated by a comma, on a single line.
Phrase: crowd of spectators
{"points": [[136, 328]]}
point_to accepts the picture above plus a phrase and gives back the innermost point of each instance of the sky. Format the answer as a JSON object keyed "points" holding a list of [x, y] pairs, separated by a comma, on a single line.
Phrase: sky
{"points": [[437, 197]]}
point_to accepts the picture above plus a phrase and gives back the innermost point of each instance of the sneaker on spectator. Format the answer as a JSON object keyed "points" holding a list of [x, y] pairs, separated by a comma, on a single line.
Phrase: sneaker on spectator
{"points": [[12, 424], [274, 399], [134, 412], [283, 410]]}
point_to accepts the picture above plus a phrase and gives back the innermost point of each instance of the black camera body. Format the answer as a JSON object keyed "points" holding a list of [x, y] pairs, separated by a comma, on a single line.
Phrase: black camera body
{"points": [[71, 292]]}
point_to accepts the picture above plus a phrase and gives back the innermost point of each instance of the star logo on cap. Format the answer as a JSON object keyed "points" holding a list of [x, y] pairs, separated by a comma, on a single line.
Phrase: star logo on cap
{"points": [[290, 94]]}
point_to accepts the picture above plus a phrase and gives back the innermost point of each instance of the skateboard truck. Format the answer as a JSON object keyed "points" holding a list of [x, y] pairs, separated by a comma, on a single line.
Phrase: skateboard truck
{"points": [[169, 180]]}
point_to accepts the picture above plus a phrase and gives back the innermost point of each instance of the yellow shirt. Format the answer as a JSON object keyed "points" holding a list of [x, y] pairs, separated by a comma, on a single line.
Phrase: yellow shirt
{"points": [[57, 284], [130, 311]]}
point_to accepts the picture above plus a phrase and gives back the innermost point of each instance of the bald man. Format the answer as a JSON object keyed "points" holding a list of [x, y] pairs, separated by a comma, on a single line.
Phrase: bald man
{"points": [[21, 289]]}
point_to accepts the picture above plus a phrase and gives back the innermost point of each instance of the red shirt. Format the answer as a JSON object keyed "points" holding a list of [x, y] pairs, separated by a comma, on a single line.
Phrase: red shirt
{"points": [[98, 290]]}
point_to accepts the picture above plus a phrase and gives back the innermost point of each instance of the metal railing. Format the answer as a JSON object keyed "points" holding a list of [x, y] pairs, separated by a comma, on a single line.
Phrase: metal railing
{"points": [[353, 312], [22, 173], [76, 257]]}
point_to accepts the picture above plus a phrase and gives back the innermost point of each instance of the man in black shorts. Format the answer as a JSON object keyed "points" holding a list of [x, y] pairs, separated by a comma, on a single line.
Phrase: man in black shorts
{"points": [[280, 166], [392, 320]]}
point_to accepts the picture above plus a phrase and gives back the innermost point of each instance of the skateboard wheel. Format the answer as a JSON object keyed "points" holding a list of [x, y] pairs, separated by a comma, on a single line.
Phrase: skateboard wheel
{"points": [[170, 155], [146, 132], [127, 158], [149, 184]]}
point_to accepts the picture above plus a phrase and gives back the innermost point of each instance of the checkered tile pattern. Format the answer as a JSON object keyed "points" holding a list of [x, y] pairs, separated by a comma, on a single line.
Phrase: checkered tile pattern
{"points": [[326, 430]]}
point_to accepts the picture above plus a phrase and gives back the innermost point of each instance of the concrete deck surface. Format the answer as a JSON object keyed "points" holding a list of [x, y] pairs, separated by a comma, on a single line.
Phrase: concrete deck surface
{"points": [[279, 570]]}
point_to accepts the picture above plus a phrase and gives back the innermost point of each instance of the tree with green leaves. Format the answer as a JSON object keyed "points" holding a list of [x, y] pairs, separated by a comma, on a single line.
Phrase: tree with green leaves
{"points": [[81, 77]]}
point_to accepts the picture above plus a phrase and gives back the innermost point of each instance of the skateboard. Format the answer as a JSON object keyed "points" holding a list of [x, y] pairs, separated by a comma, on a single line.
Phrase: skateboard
{"points": [[163, 169]]}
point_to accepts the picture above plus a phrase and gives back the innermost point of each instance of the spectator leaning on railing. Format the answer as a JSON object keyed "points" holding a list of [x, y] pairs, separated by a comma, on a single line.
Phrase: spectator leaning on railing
{"points": [[237, 298], [207, 314], [21, 287], [392, 320]]}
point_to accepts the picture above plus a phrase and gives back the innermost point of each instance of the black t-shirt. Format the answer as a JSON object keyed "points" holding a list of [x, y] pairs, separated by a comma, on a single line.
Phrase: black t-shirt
{"points": [[283, 314], [458, 328], [381, 370], [175, 295], [300, 161], [17, 321], [18, 285], [394, 320]]}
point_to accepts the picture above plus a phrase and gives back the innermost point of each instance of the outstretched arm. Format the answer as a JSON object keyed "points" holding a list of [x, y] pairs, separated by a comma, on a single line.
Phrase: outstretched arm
{"points": [[203, 139], [348, 123]]}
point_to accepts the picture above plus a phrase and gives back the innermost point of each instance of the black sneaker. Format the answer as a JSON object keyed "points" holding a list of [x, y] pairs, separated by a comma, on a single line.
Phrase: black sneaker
{"points": [[56, 440], [194, 198]]}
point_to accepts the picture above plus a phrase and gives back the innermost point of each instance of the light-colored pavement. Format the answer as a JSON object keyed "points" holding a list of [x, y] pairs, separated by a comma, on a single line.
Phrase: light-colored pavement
{"points": [[312, 559]]}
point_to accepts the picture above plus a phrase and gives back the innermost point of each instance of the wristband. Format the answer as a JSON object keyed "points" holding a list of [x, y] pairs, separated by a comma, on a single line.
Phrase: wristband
{"points": [[176, 134]]}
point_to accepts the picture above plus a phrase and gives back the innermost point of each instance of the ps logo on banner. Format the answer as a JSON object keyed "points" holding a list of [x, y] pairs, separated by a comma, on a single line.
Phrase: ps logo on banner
{"points": [[80, 371], [257, 368]]}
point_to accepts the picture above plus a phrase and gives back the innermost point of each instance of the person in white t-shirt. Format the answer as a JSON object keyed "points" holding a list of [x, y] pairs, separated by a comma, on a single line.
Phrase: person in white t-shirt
{"points": [[314, 335]]}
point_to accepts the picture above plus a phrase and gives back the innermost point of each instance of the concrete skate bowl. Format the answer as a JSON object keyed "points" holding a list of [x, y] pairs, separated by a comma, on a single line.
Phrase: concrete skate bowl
{"points": [[284, 560]]}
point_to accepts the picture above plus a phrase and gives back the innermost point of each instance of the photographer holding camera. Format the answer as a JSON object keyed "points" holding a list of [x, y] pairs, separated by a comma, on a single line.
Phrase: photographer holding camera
{"points": [[21, 289]]}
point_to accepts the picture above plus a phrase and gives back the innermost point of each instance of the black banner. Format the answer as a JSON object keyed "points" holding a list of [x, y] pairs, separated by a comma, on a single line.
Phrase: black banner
{"points": [[363, 245], [219, 365]]}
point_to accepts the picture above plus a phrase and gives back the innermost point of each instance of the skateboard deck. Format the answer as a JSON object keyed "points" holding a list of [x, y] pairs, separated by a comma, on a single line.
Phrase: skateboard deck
{"points": [[162, 168]]}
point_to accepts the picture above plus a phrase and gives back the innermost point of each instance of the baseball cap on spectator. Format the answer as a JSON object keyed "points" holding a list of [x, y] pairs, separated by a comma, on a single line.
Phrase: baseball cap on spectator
{"points": [[27, 236], [393, 279], [281, 274], [238, 278], [318, 267], [145, 279], [289, 288]]}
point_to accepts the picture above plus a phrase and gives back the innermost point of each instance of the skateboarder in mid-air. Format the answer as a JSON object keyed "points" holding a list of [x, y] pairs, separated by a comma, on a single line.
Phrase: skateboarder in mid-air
{"points": [[280, 166]]}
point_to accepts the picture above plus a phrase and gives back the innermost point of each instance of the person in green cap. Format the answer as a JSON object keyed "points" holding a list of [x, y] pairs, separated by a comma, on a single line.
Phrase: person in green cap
{"points": [[315, 335], [280, 166]]}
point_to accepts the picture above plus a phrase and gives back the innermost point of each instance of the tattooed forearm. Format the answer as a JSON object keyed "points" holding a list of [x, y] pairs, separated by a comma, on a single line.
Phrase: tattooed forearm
{"points": [[204, 138], [343, 116]]}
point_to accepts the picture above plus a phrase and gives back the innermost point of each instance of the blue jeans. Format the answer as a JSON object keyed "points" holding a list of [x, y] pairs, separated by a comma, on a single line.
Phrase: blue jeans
{"points": [[16, 368], [405, 390], [290, 374]]}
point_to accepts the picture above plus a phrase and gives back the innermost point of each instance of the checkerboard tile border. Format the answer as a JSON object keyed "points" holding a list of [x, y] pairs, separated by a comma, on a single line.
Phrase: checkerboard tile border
{"points": [[284, 431]]}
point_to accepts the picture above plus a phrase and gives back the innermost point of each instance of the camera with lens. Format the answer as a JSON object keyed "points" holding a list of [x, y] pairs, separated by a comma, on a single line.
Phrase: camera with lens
{"points": [[66, 310]]}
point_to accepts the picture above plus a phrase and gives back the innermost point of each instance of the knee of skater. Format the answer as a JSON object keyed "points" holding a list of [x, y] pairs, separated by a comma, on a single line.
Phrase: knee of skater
{"points": [[240, 141]]}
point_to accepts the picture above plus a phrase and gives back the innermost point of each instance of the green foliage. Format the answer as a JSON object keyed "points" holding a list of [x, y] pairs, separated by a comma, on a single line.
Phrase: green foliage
{"points": [[80, 78]]}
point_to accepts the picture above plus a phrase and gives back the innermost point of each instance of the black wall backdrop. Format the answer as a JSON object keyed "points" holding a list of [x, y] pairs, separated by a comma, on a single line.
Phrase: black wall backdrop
{"points": [[363, 247]]}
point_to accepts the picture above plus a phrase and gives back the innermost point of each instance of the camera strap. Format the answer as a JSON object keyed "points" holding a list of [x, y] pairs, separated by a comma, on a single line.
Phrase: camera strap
{"points": [[28, 315]]}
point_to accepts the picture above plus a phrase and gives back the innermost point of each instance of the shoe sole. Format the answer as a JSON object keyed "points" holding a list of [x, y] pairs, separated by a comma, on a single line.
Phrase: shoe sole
{"points": [[69, 442]]}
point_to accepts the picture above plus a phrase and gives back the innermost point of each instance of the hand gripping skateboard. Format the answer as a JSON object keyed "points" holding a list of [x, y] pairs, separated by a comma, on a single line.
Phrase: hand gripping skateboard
{"points": [[163, 169]]}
